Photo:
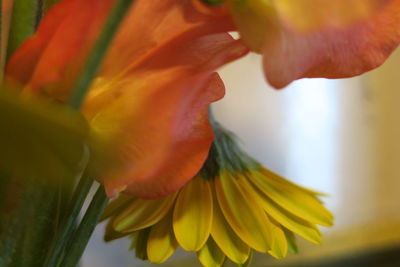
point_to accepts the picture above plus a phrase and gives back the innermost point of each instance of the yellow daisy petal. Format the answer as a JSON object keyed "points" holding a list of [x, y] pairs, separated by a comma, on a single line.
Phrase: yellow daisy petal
{"points": [[161, 243], [291, 222], [279, 246], [291, 240], [133, 237], [110, 234], [193, 214], [241, 210], [116, 205], [292, 199], [233, 247], [273, 176], [142, 213], [139, 243], [210, 255], [248, 262]]}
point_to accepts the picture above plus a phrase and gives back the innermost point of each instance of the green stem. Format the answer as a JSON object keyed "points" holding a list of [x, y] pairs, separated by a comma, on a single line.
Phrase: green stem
{"points": [[82, 235], [61, 240], [23, 22], [86, 227], [1, 44], [13, 232], [99, 50], [39, 225], [5, 180]]}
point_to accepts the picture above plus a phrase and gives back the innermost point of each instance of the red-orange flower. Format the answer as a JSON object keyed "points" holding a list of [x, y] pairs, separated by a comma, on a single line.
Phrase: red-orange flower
{"points": [[317, 38], [148, 105]]}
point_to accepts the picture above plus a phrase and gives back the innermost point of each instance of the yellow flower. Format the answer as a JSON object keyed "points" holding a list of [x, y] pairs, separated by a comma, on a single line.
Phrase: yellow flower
{"points": [[232, 207]]}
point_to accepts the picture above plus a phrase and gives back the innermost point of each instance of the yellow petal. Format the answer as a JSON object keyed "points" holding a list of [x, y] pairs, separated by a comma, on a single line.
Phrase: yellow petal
{"points": [[110, 234], [193, 214], [291, 222], [279, 246], [292, 199], [161, 243], [139, 243], [133, 236], [291, 240], [210, 255], [233, 247], [249, 260], [116, 205], [280, 180], [243, 213], [143, 213]]}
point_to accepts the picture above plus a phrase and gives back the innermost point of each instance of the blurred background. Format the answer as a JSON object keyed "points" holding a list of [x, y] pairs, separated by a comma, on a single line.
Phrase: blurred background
{"points": [[336, 136]]}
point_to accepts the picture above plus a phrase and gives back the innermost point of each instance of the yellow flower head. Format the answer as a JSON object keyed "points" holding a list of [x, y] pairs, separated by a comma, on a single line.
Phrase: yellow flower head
{"points": [[232, 207]]}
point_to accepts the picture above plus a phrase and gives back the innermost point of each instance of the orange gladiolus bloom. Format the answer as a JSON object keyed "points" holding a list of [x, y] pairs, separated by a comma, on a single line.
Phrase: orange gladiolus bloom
{"points": [[317, 38], [148, 104]]}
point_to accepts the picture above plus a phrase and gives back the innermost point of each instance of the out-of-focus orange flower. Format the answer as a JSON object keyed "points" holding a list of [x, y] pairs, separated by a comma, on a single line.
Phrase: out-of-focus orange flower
{"points": [[317, 38], [148, 104]]}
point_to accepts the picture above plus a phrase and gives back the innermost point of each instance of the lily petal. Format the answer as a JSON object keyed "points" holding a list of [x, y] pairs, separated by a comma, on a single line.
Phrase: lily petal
{"points": [[148, 106], [332, 51], [317, 38], [54, 56], [156, 125], [339, 13]]}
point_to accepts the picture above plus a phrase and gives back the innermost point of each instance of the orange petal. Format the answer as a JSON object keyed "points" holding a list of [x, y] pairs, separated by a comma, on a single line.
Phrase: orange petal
{"points": [[334, 49], [51, 60], [339, 13], [149, 103], [172, 21], [154, 118]]}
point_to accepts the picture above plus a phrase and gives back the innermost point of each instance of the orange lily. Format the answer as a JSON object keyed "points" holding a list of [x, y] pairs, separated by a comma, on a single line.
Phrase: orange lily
{"points": [[148, 105], [317, 38]]}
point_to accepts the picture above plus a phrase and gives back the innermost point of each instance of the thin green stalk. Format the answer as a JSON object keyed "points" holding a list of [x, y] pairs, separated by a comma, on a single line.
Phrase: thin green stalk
{"points": [[67, 228], [23, 22], [82, 235], [99, 50]]}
